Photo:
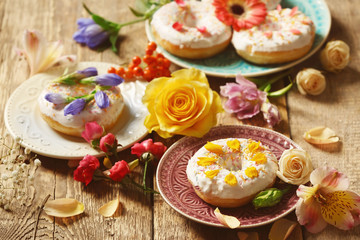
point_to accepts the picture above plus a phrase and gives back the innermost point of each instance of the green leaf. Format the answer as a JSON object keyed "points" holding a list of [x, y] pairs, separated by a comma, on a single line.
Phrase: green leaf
{"points": [[136, 13], [105, 24], [113, 38]]}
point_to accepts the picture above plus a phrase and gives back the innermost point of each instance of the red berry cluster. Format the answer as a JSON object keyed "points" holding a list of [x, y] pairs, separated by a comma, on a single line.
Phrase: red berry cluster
{"points": [[156, 66]]}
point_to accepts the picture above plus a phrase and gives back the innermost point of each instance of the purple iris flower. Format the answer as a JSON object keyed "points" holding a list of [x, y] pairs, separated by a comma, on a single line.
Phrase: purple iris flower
{"points": [[109, 79], [90, 33], [101, 99], [87, 72], [75, 107], [245, 100], [55, 98]]}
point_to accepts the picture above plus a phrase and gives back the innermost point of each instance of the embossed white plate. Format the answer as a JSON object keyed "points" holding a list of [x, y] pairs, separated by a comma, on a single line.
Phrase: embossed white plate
{"points": [[22, 117]]}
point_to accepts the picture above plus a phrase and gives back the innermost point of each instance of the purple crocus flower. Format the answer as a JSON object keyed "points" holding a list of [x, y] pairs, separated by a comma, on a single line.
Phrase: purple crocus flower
{"points": [[87, 72], [109, 79], [271, 113], [90, 33], [101, 99], [74, 107], [245, 100], [55, 98]]}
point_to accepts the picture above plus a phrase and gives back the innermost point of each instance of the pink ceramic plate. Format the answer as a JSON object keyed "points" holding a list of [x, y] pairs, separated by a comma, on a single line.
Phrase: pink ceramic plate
{"points": [[179, 194]]}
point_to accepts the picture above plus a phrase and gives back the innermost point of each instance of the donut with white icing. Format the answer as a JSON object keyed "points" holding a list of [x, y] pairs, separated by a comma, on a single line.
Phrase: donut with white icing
{"points": [[74, 125], [230, 172], [285, 35], [190, 30]]}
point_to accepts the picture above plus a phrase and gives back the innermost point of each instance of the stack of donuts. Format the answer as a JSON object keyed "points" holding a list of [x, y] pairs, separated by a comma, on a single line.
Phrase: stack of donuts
{"points": [[261, 31]]}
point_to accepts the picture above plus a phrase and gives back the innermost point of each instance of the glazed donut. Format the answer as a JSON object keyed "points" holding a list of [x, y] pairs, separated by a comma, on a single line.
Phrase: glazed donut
{"points": [[230, 172], [286, 35], [190, 30], [74, 125]]}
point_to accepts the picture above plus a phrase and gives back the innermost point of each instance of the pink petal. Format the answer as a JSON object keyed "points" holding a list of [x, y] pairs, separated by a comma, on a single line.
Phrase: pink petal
{"points": [[306, 193], [180, 3], [295, 31], [202, 29], [34, 45], [244, 82], [310, 216], [279, 8], [293, 11], [339, 207], [177, 26], [230, 90], [329, 179]]}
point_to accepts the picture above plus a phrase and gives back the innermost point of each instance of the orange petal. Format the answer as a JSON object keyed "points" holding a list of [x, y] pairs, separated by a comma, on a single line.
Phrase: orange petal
{"points": [[285, 229], [228, 221], [63, 207], [321, 135], [110, 208]]}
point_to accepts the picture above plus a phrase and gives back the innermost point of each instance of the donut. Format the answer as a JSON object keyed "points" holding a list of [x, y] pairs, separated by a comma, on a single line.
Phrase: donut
{"points": [[230, 172], [190, 30], [285, 35], [74, 125]]}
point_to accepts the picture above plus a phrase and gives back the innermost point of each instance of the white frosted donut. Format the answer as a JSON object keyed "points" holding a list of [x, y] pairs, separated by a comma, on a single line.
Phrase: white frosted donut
{"points": [[73, 125], [197, 33], [230, 172], [285, 35]]}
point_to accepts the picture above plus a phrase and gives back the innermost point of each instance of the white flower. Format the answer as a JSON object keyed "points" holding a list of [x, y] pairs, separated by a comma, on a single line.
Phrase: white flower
{"points": [[310, 81], [27, 151], [335, 56], [4, 177], [21, 157], [13, 151], [18, 139], [295, 167]]}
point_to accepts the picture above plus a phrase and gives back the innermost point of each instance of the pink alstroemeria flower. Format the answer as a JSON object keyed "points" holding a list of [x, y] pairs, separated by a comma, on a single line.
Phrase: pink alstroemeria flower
{"points": [[271, 113], [245, 99], [42, 54], [327, 202]]}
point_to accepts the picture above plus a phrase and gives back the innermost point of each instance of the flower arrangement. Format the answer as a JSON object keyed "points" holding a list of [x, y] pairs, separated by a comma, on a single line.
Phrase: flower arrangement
{"points": [[112, 168], [74, 105]]}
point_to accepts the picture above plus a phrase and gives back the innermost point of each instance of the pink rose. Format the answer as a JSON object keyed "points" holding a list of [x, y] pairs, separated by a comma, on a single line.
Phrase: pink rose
{"points": [[85, 171], [92, 131], [108, 142], [119, 170], [156, 148]]}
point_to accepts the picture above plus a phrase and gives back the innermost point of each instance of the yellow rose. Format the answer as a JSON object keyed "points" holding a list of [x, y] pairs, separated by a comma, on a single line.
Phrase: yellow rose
{"points": [[181, 104], [335, 56], [295, 167], [310, 81]]}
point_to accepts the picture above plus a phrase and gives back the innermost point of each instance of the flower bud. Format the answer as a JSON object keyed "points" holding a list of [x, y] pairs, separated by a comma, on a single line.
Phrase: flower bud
{"points": [[108, 142], [335, 56], [310, 81], [147, 157]]}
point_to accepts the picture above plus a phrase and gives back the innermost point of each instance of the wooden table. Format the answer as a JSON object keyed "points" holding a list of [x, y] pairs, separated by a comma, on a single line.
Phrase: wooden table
{"points": [[145, 216]]}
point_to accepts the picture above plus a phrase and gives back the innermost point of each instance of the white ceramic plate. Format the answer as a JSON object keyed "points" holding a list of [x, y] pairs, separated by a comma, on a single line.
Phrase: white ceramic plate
{"points": [[229, 64], [22, 117]]}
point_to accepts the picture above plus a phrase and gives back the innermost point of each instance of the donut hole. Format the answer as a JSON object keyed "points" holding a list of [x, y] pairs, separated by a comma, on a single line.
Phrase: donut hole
{"points": [[231, 162]]}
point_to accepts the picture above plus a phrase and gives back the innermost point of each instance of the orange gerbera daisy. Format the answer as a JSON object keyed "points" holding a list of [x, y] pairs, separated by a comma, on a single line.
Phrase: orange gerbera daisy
{"points": [[240, 14]]}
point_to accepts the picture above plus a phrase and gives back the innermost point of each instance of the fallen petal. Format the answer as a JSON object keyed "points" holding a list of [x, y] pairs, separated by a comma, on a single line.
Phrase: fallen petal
{"points": [[321, 135], [110, 208], [63, 207], [285, 229], [228, 221]]}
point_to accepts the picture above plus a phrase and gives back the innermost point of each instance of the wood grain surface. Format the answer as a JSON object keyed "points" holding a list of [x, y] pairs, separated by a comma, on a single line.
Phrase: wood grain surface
{"points": [[145, 216]]}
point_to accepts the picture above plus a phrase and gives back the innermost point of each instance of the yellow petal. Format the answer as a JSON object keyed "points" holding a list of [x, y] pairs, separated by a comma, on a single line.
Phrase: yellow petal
{"points": [[285, 229], [214, 148], [254, 146], [251, 172], [228, 221], [230, 179], [321, 135], [233, 144], [110, 208], [63, 207], [206, 161], [212, 173], [248, 235], [259, 158]]}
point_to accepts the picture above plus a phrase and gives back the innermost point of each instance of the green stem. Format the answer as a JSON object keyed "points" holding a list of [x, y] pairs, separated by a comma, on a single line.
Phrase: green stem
{"points": [[144, 176], [280, 92], [274, 79], [132, 22]]}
